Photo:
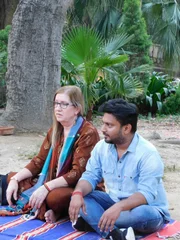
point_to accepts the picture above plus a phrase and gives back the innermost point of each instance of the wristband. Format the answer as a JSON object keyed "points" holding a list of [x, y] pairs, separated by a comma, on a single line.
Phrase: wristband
{"points": [[77, 193], [46, 186]]}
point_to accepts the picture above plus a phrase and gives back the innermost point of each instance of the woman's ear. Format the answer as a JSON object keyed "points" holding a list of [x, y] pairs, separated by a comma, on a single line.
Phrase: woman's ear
{"points": [[78, 110]]}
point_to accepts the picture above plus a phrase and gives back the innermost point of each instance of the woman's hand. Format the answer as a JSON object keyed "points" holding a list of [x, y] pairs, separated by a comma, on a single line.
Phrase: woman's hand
{"points": [[11, 191], [38, 197]]}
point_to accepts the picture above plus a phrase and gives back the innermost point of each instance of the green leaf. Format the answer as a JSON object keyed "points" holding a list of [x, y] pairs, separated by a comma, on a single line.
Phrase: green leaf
{"points": [[81, 45], [159, 105], [149, 100], [116, 42]]}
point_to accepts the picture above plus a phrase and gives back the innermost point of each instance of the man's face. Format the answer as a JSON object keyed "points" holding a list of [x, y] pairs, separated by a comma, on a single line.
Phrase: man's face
{"points": [[112, 130]]}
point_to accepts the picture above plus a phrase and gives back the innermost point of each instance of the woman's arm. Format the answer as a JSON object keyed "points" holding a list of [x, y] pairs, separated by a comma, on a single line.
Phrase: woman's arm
{"points": [[12, 188], [21, 175], [56, 183], [31, 169], [36, 164]]}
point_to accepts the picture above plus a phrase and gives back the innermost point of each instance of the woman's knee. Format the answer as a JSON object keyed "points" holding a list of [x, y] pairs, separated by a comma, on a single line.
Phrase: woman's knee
{"points": [[59, 198]]}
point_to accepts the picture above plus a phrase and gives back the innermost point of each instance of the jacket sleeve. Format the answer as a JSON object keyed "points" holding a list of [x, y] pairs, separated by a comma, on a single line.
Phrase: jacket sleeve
{"points": [[81, 153], [36, 164]]}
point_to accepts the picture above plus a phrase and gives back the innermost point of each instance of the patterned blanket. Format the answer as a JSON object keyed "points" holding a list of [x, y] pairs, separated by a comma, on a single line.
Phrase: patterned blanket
{"points": [[15, 227]]}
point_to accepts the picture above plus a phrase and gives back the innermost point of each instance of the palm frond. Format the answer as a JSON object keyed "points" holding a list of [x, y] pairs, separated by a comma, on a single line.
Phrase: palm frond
{"points": [[163, 17], [126, 87], [116, 42], [141, 69], [81, 44], [107, 60], [133, 88], [153, 9]]}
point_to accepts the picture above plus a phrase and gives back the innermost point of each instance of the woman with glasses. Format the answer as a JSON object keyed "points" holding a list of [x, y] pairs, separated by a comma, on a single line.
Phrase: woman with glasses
{"points": [[71, 139]]}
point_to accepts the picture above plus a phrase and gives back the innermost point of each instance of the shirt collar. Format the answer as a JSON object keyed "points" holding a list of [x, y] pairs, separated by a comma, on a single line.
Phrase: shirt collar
{"points": [[133, 144]]}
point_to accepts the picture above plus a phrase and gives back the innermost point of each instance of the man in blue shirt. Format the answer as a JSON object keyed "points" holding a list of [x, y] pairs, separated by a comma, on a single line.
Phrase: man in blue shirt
{"points": [[132, 170]]}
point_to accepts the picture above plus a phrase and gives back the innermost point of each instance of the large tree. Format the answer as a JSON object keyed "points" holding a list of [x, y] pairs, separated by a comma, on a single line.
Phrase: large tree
{"points": [[34, 63]]}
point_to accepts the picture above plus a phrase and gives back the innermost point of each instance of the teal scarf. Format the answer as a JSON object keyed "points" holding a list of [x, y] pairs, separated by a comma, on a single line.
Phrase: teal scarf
{"points": [[67, 147]]}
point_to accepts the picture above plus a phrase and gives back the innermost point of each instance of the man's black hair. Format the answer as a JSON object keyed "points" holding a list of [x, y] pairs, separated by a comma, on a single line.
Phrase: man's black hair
{"points": [[124, 112]]}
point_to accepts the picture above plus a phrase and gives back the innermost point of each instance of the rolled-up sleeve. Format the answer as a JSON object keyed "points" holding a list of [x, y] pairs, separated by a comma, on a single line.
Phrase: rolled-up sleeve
{"points": [[93, 173], [150, 176]]}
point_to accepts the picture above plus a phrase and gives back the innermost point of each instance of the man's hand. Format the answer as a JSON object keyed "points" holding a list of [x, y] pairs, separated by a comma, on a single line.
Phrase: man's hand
{"points": [[38, 197], [12, 190], [76, 203], [109, 217]]}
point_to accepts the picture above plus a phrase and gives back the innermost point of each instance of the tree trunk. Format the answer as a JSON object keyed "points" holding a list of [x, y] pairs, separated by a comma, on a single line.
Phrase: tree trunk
{"points": [[7, 9], [89, 114], [33, 73]]}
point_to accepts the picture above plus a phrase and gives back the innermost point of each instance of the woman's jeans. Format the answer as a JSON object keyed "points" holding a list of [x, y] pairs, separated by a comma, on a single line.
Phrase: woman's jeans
{"points": [[144, 218]]}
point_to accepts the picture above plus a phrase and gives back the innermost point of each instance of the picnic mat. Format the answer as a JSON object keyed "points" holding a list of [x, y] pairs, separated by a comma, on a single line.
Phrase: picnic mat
{"points": [[15, 227]]}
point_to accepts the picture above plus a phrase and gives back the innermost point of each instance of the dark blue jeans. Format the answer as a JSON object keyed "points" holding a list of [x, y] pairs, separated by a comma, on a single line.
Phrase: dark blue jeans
{"points": [[144, 218]]}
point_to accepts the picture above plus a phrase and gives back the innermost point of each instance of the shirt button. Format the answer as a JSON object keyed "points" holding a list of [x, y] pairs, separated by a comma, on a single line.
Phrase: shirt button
{"points": [[119, 189], [119, 176]]}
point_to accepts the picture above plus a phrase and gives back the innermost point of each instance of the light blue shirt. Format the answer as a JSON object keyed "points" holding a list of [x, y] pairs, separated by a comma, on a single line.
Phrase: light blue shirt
{"points": [[140, 169]]}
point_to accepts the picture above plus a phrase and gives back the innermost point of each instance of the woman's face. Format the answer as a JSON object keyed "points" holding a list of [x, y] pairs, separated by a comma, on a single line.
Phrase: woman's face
{"points": [[64, 111]]}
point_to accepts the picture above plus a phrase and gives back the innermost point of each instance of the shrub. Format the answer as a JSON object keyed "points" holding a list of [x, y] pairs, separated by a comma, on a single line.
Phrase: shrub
{"points": [[159, 88], [172, 103]]}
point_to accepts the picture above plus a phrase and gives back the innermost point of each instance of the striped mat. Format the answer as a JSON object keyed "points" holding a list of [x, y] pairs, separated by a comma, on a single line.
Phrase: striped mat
{"points": [[16, 228]]}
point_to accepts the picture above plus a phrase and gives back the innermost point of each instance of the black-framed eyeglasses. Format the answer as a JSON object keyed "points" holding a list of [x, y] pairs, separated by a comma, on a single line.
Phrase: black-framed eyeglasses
{"points": [[62, 105]]}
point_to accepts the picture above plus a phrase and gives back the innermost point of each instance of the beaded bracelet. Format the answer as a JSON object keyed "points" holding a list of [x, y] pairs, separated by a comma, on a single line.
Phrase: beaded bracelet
{"points": [[77, 193], [46, 186]]}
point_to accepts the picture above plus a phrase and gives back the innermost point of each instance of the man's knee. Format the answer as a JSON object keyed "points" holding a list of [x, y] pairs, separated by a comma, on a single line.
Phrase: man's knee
{"points": [[147, 219]]}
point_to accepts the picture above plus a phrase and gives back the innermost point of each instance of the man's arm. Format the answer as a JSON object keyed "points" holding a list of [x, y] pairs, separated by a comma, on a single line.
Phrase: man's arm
{"points": [[82, 189], [110, 216], [83, 186], [131, 202], [90, 178]]}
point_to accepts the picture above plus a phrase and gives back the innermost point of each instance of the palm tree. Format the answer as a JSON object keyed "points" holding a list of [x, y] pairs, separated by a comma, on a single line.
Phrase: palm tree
{"points": [[163, 18], [103, 15], [88, 58]]}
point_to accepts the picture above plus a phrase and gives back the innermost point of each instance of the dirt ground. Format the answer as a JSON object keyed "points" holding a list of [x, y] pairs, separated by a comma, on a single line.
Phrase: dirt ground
{"points": [[17, 150]]}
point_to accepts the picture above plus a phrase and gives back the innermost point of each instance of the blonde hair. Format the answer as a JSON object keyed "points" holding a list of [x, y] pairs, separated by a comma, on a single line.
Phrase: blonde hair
{"points": [[76, 97]]}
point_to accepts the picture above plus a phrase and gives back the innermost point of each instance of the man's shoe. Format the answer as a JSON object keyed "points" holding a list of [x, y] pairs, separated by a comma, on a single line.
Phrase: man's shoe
{"points": [[82, 225], [122, 234], [129, 233]]}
